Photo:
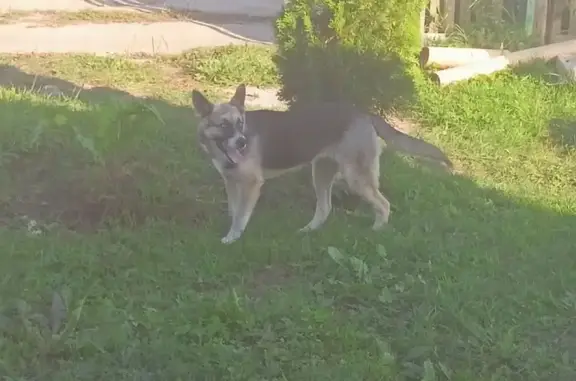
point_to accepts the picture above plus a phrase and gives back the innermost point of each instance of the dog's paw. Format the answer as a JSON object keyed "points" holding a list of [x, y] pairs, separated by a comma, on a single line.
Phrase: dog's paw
{"points": [[228, 240], [380, 225], [308, 228], [230, 237]]}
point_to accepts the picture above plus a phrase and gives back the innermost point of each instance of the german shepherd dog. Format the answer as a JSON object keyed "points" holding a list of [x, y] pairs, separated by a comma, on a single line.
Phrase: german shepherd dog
{"points": [[249, 147]]}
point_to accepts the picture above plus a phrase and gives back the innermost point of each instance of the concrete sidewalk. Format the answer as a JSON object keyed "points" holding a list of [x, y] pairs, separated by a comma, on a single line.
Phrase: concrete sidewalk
{"points": [[262, 8], [103, 39], [253, 24], [152, 38]]}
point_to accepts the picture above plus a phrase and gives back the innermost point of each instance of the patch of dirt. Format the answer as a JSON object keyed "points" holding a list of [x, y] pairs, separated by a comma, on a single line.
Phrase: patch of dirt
{"points": [[261, 98], [269, 278], [403, 124], [87, 199]]}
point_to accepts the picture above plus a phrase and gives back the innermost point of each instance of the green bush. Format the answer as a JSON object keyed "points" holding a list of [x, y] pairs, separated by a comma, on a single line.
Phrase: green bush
{"points": [[361, 51]]}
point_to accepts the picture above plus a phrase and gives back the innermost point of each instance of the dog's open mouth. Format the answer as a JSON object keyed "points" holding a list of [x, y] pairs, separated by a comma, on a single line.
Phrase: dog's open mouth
{"points": [[234, 152]]}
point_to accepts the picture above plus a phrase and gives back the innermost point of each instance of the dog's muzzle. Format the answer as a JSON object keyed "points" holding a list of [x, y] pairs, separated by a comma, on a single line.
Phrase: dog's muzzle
{"points": [[233, 152], [241, 143]]}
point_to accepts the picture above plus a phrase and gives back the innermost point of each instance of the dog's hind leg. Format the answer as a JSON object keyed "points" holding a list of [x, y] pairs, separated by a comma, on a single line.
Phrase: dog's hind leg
{"points": [[248, 194], [362, 178], [324, 172]]}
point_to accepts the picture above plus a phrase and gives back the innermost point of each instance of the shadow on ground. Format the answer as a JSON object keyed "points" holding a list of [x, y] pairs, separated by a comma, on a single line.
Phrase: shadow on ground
{"points": [[257, 27], [13, 77], [55, 173]]}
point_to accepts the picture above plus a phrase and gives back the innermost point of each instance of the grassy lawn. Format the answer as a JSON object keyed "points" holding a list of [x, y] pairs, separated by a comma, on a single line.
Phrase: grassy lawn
{"points": [[107, 207]]}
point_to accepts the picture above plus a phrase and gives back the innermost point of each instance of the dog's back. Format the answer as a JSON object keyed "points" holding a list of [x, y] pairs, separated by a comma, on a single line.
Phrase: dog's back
{"points": [[291, 138]]}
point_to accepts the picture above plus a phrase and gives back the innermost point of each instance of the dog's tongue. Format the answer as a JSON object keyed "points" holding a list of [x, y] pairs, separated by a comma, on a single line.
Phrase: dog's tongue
{"points": [[235, 156]]}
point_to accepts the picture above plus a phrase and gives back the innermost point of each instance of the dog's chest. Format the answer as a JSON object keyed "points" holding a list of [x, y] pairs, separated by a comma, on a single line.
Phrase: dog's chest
{"points": [[219, 166]]}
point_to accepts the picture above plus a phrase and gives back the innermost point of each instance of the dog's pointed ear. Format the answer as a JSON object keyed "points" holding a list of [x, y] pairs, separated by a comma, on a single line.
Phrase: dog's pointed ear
{"points": [[239, 97], [201, 104]]}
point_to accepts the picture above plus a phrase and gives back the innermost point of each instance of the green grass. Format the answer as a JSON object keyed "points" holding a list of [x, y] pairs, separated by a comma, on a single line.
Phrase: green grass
{"points": [[209, 69], [126, 15], [107, 205], [60, 18], [230, 65]]}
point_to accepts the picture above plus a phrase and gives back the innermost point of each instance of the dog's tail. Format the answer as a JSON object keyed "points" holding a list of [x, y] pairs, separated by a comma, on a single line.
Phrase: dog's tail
{"points": [[397, 140]]}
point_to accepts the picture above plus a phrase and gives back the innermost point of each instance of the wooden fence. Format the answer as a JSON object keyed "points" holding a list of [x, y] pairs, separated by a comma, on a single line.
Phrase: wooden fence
{"points": [[546, 20]]}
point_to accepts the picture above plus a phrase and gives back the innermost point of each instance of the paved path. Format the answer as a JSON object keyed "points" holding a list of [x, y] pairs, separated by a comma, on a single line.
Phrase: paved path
{"points": [[102, 39], [267, 8], [253, 25], [151, 38]]}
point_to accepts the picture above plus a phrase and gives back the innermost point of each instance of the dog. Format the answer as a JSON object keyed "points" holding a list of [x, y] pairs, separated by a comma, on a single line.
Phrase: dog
{"points": [[337, 139]]}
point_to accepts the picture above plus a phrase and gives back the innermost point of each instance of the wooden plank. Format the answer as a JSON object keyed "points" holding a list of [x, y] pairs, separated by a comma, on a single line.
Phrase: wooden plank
{"points": [[558, 7], [423, 27], [550, 22], [530, 13], [435, 16], [572, 27], [540, 21], [464, 13], [449, 14]]}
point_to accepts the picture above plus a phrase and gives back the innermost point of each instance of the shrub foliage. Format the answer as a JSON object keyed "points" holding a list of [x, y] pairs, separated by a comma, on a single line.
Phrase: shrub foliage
{"points": [[360, 51]]}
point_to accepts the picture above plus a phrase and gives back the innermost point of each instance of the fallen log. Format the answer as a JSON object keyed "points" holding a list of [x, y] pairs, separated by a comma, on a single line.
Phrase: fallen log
{"points": [[460, 73], [496, 64], [446, 57]]}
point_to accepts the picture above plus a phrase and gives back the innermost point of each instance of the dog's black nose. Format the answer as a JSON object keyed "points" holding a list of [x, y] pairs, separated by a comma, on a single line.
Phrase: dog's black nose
{"points": [[241, 143]]}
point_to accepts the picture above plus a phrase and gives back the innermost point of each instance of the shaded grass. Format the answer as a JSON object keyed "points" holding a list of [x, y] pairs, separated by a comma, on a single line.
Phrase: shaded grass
{"points": [[473, 280]]}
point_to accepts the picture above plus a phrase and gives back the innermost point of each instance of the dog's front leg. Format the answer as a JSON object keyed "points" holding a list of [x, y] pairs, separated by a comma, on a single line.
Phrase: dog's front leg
{"points": [[232, 194], [248, 192]]}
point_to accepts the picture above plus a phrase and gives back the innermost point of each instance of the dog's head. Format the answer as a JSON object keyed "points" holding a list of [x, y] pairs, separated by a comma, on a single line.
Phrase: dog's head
{"points": [[221, 130]]}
